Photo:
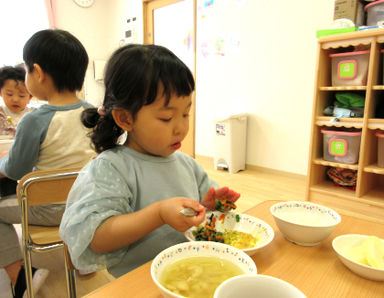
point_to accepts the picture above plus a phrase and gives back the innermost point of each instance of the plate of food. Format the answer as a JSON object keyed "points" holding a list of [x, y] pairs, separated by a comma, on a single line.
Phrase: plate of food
{"points": [[248, 233]]}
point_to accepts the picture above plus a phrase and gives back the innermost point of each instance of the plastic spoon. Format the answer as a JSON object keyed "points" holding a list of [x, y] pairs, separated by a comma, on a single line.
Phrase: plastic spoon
{"points": [[188, 212]]}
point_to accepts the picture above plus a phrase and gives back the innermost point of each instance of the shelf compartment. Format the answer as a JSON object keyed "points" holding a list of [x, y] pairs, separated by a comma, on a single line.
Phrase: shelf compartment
{"points": [[375, 170], [328, 188], [321, 161], [344, 201], [343, 122], [374, 197]]}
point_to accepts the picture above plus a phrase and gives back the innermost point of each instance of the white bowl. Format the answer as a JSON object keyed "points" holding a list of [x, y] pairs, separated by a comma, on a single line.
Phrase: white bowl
{"points": [[246, 224], [255, 286], [303, 222], [201, 249], [344, 242]]}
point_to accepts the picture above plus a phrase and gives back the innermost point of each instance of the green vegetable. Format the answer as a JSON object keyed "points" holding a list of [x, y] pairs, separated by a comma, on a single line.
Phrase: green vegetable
{"points": [[224, 205]]}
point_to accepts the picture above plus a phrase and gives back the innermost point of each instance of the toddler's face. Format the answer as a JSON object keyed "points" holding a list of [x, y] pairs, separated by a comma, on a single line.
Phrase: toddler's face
{"points": [[15, 95], [158, 129]]}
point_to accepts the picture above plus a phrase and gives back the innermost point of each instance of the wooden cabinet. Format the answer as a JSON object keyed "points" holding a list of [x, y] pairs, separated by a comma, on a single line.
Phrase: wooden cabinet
{"points": [[367, 201]]}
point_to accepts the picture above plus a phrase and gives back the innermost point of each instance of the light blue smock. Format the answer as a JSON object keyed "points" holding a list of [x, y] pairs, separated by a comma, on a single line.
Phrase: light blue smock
{"points": [[121, 181]]}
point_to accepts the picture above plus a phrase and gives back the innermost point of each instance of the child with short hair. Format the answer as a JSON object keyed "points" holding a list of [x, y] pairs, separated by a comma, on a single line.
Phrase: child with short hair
{"points": [[51, 136], [124, 208], [16, 98]]}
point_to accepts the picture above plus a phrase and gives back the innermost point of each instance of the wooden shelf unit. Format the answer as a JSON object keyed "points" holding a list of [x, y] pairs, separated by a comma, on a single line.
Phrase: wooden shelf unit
{"points": [[367, 201]]}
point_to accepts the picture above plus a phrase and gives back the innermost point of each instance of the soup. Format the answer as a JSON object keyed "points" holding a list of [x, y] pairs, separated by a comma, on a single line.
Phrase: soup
{"points": [[197, 276]]}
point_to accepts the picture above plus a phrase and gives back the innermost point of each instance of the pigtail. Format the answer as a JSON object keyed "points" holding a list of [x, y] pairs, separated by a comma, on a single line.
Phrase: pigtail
{"points": [[105, 132]]}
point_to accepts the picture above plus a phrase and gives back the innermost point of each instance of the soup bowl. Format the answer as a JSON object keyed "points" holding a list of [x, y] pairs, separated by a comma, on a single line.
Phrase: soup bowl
{"points": [[185, 250], [241, 223], [303, 222], [256, 286]]}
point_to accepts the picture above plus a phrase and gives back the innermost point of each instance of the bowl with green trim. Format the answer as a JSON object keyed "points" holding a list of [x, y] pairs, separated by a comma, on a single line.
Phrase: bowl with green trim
{"points": [[243, 231], [305, 223]]}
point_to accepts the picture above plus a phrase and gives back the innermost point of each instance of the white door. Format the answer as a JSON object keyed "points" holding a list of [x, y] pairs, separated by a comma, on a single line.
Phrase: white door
{"points": [[171, 23]]}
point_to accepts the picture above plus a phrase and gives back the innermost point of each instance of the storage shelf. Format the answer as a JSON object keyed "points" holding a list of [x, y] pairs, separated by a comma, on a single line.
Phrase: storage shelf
{"points": [[343, 122], [320, 161], [374, 169], [367, 201]]}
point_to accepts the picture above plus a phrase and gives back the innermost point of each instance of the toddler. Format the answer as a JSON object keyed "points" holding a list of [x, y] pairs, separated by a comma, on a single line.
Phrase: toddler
{"points": [[15, 96], [124, 208]]}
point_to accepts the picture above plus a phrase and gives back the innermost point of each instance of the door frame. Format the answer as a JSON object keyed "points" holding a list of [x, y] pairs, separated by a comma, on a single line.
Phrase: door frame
{"points": [[148, 28]]}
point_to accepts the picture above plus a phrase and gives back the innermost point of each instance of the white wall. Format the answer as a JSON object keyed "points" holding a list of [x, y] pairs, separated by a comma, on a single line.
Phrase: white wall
{"points": [[273, 84], [271, 79], [100, 28]]}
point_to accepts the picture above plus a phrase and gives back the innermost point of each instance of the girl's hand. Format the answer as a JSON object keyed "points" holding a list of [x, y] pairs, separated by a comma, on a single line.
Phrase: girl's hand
{"points": [[170, 213], [121, 230], [223, 193]]}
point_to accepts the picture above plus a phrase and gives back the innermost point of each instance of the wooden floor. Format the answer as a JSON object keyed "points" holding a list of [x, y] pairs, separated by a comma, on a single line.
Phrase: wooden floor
{"points": [[254, 185]]}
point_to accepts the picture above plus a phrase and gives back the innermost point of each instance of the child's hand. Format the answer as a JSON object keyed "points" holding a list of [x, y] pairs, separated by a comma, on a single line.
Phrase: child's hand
{"points": [[223, 193], [170, 213]]}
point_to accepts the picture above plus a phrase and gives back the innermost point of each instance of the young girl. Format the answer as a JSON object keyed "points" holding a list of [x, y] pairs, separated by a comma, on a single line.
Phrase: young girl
{"points": [[124, 208], [15, 96]]}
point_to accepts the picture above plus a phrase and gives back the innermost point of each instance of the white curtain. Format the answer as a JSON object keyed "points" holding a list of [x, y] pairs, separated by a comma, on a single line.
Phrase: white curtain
{"points": [[50, 5], [19, 20]]}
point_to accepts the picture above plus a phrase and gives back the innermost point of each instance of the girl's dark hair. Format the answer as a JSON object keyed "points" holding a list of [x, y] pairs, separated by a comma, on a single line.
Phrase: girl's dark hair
{"points": [[132, 78], [16, 73], [59, 54]]}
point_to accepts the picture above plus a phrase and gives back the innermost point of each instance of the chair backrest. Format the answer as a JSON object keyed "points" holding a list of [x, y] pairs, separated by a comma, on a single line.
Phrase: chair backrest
{"points": [[37, 188], [46, 186]]}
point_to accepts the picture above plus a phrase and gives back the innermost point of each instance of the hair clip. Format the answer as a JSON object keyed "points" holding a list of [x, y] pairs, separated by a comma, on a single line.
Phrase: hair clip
{"points": [[101, 111]]}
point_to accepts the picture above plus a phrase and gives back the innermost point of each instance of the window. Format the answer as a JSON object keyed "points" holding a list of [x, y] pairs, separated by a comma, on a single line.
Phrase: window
{"points": [[19, 20]]}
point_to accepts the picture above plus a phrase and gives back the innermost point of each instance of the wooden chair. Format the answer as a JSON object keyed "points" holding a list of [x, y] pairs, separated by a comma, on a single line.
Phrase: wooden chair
{"points": [[37, 188]]}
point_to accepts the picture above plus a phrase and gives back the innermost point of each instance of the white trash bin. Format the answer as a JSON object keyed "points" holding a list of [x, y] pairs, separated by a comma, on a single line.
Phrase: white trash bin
{"points": [[230, 143]]}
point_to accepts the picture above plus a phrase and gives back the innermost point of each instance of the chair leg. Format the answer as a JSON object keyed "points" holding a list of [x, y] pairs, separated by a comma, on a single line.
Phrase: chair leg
{"points": [[71, 283], [28, 270], [70, 274]]}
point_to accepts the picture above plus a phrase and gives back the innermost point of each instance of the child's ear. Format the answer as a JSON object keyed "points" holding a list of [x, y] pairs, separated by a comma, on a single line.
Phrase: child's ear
{"points": [[39, 72], [123, 118]]}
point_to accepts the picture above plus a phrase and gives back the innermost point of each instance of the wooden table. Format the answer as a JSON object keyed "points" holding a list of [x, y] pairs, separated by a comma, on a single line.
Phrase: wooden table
{"points": [[315, 270]]}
